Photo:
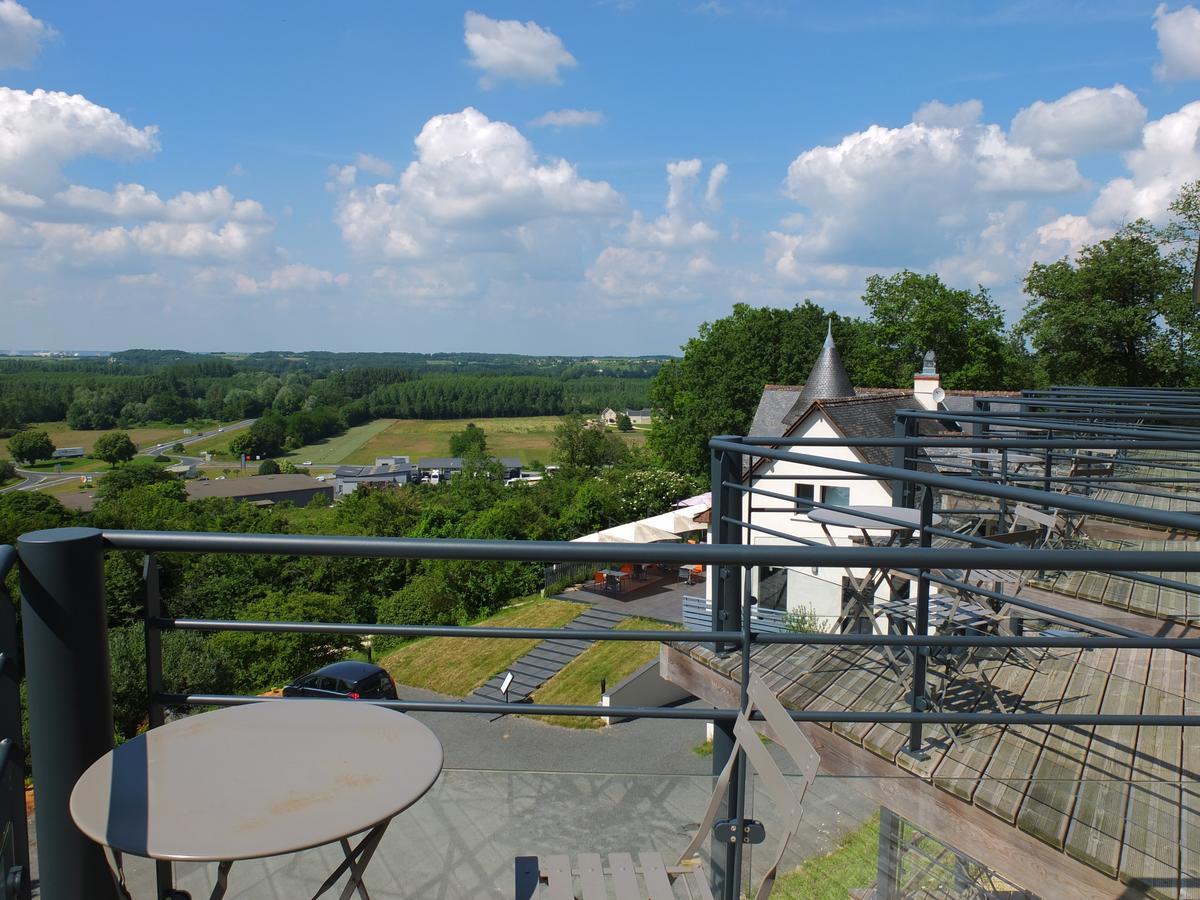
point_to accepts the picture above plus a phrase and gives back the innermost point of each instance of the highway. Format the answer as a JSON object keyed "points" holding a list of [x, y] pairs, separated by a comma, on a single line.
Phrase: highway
{"points": [[37, 480]]}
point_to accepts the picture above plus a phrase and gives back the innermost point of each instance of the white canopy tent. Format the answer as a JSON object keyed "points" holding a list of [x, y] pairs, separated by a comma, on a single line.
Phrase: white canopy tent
{"points": [[665, 527]]}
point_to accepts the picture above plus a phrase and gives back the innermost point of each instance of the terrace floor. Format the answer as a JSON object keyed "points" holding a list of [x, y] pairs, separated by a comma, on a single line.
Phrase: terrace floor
{"points": [[1124, 800]]}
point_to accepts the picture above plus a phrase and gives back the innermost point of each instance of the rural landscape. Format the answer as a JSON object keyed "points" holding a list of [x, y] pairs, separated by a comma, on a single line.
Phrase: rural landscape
{"points": [[715, 449]]}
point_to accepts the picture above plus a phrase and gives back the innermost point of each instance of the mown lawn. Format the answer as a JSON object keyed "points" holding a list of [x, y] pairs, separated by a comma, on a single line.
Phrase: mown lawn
{"points": [[527, 438], [334, 450], [851, 865], [578, 684], [456, 666]]}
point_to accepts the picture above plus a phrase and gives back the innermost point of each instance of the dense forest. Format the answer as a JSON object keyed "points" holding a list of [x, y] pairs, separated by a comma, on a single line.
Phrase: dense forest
{"points": [[136, 387]]}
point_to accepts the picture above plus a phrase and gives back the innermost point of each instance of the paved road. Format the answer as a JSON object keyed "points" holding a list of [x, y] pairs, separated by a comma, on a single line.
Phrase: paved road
{"points": [[37, 480]]}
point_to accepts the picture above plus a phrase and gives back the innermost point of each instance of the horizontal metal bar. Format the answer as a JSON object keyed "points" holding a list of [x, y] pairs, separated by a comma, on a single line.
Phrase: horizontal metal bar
{"points": [[1132, 640], [706, 554], [989, 443], [659, 712], [1038, 498], [457, 631]]}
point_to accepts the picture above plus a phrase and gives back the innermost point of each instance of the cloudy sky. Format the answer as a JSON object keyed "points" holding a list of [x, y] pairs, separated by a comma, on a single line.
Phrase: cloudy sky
{"points": [[557, 178]]}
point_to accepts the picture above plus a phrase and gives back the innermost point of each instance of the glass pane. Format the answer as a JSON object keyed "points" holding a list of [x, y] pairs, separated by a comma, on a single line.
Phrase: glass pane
{"points": [[835, 496]]}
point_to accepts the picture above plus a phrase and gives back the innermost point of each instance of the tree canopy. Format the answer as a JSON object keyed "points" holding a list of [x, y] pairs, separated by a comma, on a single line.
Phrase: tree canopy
{"points": [[114, 447], [471, 441], [30, 446], [1100, 320]]}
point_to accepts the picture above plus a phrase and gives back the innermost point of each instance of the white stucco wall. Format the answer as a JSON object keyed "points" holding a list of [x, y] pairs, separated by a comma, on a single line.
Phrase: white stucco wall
{"points": [[816, 589]]}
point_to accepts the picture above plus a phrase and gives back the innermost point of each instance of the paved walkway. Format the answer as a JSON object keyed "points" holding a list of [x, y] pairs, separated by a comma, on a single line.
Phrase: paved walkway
{"points": [[664, 603], [545, 660]]}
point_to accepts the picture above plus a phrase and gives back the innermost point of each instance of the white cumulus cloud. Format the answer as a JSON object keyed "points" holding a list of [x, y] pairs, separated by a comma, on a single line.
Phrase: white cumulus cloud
{"points": [[889, 196], [1178, 42], [937, 114], [374, 165], [1084, 121], [471, 174], [21, 35], [678, 226], [296, 277], [569, 118], [508, 49], [40, 131]]}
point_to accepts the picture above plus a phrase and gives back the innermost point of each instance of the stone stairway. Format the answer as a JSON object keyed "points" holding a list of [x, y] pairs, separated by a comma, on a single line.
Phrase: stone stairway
{"points": [[537, 666]]}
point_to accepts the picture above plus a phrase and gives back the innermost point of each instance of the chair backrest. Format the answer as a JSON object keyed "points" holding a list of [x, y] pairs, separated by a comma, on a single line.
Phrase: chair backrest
{"points": [[1023, 514], [787, 795]]}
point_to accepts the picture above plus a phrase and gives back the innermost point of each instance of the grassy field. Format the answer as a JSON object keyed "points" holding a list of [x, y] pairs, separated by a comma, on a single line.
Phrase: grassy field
{"points": [[62, 436], [578, 684], [852, 865], [456, 666], [528, 438]]}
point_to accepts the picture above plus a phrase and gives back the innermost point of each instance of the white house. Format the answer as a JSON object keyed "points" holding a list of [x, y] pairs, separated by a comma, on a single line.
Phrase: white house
{"points": [[825, 406], [639, 416]]}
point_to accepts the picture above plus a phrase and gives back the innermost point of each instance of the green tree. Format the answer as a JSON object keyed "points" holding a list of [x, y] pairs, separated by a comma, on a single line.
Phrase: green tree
{"points": [[114, 447], [714, 389], [22, 511], [576, 445], [624, 423], [471, 441], [268, 660], [30, 446], [912, 314], [138, 473], [1096, 321], [1184, 228], [268, 467], [287, 467], [7, 471]]}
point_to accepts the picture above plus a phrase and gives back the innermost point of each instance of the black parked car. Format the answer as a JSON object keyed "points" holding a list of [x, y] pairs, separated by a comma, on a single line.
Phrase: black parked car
{"points": [[350, 679]]}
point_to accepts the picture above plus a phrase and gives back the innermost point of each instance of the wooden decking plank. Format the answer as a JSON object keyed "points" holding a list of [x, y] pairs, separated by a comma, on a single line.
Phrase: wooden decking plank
{"points": [[961, 768], [1189, 824], [885, 692], [1046, 812], [1119, 592], [831, 664], [1172, 603], [1098, 820], [1091, 586], [1150, 853], [1144, 599], [1006, 779]]}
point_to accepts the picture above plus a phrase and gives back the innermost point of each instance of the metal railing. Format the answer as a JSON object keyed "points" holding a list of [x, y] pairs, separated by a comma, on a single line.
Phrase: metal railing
{"points": [[14, 833], [67, 656]]}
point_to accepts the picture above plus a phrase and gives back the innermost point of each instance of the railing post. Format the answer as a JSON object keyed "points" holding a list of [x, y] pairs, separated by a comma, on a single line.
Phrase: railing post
{"points": [[12, 773], [67, 670], [904, 458], [154, 686], [921, 654], [727, 502]]}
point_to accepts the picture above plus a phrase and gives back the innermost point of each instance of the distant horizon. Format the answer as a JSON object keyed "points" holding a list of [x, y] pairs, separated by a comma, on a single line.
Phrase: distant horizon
{"points": [[98, 353], [587, 177]]}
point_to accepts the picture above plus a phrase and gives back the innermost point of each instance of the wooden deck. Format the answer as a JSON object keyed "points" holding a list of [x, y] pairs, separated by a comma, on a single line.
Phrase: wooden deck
{"points": [[1124, 800], [1120, 592]]}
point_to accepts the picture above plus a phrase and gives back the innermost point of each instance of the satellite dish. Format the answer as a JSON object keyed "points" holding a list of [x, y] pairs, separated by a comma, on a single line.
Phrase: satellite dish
{"points": [[938, 395]]}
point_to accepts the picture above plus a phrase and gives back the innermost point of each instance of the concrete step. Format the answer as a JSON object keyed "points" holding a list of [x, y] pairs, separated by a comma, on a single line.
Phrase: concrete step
{"points": [[567, 646], [597, 614], [550, 656]]}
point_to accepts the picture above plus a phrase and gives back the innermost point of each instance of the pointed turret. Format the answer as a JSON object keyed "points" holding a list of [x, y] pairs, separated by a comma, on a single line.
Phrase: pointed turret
{"points": [[827, 380]]}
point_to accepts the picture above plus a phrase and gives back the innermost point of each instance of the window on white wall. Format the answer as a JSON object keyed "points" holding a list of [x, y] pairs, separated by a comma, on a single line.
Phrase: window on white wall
{"points": [[835, 496], [804, 497]]}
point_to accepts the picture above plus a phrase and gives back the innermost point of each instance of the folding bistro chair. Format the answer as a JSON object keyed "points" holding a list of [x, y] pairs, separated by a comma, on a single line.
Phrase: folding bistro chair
{"points": [[588, 878]]}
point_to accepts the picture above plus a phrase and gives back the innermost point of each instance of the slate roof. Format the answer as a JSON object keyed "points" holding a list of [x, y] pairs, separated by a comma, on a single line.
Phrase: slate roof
{"points": [[828, 379], [776, 402], [870, 416]]}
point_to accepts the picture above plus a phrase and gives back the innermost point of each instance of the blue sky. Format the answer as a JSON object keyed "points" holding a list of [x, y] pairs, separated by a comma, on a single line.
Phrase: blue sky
{"points": [[581, 178]]}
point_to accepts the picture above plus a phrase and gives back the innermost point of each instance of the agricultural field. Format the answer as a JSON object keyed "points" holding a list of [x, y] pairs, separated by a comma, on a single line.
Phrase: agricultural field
{"points": [[528, 438], [62, 436]]}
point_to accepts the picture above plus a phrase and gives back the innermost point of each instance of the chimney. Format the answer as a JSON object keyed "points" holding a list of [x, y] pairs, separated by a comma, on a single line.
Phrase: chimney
{"points": [[927, 384]]}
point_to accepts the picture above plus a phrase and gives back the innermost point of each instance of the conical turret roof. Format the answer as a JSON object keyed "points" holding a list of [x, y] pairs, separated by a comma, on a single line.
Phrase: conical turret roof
{"points": [[827, 380]]}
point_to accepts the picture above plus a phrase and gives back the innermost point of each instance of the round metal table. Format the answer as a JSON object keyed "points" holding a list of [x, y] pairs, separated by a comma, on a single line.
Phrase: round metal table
{"points": [[860, 517], [258, 780]]}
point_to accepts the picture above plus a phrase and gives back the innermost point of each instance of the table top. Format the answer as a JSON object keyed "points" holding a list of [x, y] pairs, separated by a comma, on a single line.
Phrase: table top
{"points": [[256, 780], [995, 456], [859, 517]]}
